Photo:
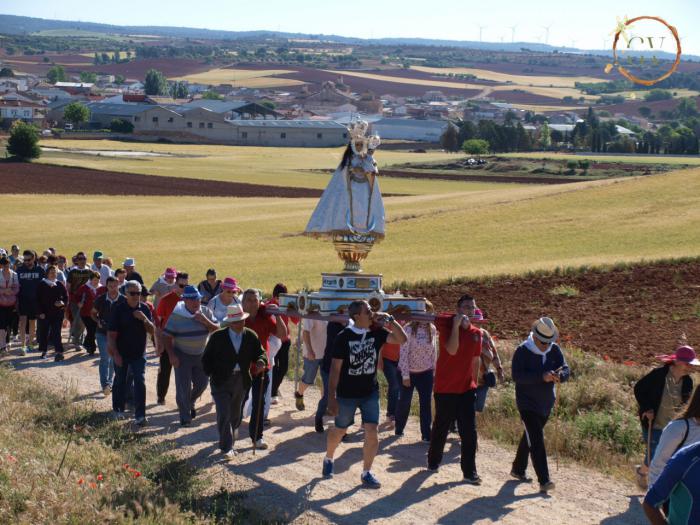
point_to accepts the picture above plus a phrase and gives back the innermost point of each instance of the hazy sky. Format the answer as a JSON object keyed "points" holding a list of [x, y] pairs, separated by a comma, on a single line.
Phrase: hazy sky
{"points": [[585, 24]]}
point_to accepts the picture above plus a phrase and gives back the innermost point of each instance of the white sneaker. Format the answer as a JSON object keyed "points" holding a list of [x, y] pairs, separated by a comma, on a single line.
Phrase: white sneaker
{"points": [[230, 454], [275, 401], [22, 351], [260, 444]]}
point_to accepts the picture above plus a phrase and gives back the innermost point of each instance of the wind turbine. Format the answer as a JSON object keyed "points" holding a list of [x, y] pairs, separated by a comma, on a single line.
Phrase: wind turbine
{"points": [[481, 30], [512, 33], [546, 37]]}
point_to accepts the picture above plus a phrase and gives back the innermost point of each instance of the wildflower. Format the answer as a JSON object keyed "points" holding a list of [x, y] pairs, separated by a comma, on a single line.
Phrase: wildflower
{"points": [[81, 481], [137, 474], [606, 358], [126, 466], [93, 485], [11, 458], [629, 363], [100, 477]]}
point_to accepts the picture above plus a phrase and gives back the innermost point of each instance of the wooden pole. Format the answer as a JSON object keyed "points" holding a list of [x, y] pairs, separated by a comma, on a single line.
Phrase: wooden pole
{"points": [[297, 361], [261, 402]]}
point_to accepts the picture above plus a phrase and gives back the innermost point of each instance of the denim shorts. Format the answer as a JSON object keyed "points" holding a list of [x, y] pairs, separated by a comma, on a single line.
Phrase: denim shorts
{"points": [[347, 406], [311, 367]]}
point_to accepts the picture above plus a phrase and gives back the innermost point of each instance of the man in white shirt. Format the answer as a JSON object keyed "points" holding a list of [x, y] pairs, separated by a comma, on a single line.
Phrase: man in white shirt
{"points": [[104, 270], [314, 337]]}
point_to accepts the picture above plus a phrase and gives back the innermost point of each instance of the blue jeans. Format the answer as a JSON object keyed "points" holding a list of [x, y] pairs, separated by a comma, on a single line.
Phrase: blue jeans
{"points": [[347, 406], [137, 367], [323, 402], [655, 437], [423, 382], [106, 363], [481, 393], [393, 379]]}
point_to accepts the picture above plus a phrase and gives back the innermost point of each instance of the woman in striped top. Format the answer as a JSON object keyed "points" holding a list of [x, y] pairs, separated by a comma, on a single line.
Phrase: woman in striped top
{"points": [[417, 365]]}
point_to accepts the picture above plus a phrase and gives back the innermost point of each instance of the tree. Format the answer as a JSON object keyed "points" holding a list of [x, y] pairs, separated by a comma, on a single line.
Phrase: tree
{"points": [[119, 79], [6, 72], [211, 95], [56, 74], [644, 111], [449, 138], [88, 76], [155, 83], [24, 141], [476, 147], [76, 113], [179, 90], [119, 125], [545, 136]]}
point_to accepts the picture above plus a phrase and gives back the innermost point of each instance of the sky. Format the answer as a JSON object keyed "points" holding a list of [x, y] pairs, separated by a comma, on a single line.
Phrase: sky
{"points": [[586, 25]]}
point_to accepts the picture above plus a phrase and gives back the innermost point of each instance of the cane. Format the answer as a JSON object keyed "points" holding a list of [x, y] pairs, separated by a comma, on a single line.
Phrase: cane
{"points": [[296, 364], [556, 419], [261, 401], [649, 441]]}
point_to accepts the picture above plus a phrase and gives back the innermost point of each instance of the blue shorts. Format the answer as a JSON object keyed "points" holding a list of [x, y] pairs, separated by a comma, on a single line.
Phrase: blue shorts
{"points": [[311, 367], [347, 406]]}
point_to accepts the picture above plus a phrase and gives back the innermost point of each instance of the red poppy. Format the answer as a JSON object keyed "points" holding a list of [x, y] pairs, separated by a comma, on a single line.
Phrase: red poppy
{"points": [[137, 474], [93, 485], [11, 458], [606, 358], [81, 481], [629, 363], [100, 477]]}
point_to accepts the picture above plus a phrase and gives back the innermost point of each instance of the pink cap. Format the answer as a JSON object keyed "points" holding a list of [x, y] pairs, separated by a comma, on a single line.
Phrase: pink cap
{"points": [[230, 284], [683, 354], [170, 272]]}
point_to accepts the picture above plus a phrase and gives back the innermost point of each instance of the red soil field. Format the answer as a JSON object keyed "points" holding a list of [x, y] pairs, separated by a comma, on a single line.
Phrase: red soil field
{"points": [[21, 177], [622, 314]]}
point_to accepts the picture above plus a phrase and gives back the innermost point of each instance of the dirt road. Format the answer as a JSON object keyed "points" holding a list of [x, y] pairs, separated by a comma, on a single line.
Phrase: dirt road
{"points": [[285, 482]]}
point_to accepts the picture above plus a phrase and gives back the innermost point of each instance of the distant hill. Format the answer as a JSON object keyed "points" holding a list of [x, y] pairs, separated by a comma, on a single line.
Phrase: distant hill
{"points": [[18, 25]]}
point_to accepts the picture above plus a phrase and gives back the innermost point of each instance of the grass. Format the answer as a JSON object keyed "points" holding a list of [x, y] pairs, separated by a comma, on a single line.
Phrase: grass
{"points": [[261, 165], [554, 92], [242, 78], [484, 74], [598, 425], [565, 291], [636, 159], [60, 462], [437, 236]]}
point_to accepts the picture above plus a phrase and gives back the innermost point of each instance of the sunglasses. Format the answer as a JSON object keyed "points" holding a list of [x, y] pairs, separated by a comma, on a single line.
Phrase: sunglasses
{"points": [[133, 294]]}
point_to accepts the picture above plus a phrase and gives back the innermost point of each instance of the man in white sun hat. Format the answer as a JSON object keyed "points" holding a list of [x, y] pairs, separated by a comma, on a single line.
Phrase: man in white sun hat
{"points": [[232, 356], [538, 363]]}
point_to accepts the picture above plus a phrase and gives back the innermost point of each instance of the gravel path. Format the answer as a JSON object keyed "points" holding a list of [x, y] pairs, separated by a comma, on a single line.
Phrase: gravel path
{"points": [[285, 482]]}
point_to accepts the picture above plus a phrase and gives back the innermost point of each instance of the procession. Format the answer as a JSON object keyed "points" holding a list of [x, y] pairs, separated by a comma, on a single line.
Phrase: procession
{"points": [[244, 349]]}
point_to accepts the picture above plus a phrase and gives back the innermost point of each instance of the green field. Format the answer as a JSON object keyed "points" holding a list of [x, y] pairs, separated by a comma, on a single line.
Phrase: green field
{"points": [[506, 229]]}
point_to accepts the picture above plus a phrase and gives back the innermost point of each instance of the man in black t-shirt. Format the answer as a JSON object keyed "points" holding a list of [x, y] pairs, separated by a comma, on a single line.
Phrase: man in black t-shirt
{"points": [[353, 382], [129, 324]]}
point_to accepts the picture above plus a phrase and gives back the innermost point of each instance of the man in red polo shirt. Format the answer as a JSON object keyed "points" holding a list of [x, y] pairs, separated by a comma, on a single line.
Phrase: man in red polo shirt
{"points": [[166, 305], [455, 386], [264, 325]]}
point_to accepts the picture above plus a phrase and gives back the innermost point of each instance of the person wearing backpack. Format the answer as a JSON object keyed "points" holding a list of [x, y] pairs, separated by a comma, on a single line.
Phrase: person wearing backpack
{"points": [[679, 433]]}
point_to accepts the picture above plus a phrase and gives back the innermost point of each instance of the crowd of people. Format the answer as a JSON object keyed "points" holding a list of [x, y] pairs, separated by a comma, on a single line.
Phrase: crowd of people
{"points": [[216, 335]]}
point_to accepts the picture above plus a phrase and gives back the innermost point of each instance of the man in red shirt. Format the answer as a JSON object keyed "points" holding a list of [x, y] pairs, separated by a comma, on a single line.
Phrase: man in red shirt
{"points": [[264, 325], [455, 386], [166, 305]]}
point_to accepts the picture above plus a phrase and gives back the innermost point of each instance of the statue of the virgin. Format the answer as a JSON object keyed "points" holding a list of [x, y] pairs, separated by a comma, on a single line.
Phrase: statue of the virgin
{"points": [[351, 205]]}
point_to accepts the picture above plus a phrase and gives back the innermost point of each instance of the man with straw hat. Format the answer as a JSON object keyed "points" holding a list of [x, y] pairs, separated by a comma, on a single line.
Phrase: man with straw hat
{"points": [[538, 363], [232, 355], [660, 394]]}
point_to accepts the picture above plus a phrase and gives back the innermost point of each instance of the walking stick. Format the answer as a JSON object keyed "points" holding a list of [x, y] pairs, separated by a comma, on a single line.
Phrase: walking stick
{"points": [[556, 425], [649, 441], [261, 401], [298, 358]]}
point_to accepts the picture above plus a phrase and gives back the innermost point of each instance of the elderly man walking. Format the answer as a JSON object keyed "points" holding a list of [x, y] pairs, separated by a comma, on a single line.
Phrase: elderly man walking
{"points": [[184, 336], [353, 382], [229, 357], [538, 364], [129, 325]]}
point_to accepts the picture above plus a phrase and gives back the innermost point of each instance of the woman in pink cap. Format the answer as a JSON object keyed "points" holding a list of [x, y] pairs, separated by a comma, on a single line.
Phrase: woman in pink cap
{"points": [[228, 296], [164, 284], [660, 394]]}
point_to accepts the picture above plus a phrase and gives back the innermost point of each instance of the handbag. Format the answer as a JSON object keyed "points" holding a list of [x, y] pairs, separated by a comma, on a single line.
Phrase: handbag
{"points": [[489, 379]]}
